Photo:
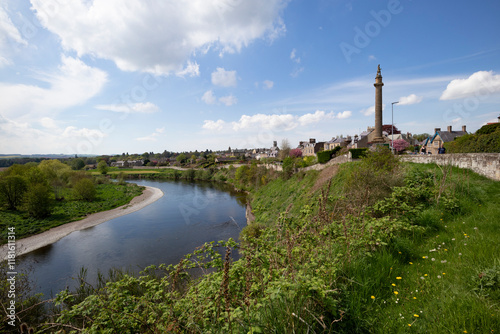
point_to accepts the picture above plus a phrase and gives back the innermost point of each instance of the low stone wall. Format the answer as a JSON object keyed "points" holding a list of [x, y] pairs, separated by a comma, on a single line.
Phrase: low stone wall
{"points": [[335, 161], [487, 164]]}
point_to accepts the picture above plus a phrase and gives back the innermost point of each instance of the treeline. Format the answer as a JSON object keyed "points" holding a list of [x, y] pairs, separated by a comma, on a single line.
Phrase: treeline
{"points": [[485, 140]]}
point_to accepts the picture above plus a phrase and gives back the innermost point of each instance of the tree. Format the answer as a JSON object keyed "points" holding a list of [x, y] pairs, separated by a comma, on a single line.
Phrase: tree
{"points": [[400, 145], [296, 153], [85, 190], [37, 200], [181, 158], [422, 136], [77, 164], [284, 150], [102, 167], [388, 128], [57, 174], [193, 158], [12, 189]]}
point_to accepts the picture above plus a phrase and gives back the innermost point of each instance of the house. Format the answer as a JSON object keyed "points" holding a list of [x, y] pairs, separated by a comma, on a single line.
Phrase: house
{"points": [[311, 148], [339, 141], [435, 142]]}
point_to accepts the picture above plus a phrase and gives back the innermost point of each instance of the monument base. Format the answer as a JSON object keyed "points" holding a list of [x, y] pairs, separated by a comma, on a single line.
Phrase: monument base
{"points": [[378, 140]]}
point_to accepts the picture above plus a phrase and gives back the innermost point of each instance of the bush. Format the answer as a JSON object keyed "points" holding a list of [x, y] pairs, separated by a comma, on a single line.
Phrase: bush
{"points": [[12, 189], [324, 156], [358, 153], [85, 190]]}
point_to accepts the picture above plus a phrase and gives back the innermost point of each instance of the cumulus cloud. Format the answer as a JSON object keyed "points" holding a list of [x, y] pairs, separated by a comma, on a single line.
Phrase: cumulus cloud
{"points": [[275, 122], [370, 110], [268, 84], [314, 118], [228, 100], [481, 83], [139, 108], [213, 125], [175, 30], [73, 83], [209, 97], [223, 78], [410, 99]]}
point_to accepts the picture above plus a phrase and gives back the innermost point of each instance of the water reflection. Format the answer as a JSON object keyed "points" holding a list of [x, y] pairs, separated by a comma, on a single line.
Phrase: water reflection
{"points": [[188, 215]]}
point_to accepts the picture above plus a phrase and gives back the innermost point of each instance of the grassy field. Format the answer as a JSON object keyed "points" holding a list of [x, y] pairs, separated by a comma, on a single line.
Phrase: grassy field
{"points": [[109, 196]]}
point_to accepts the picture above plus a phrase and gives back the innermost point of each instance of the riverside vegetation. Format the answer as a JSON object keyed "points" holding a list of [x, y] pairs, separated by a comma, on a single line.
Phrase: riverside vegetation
{"points": [[379, 247], [36, 197]]}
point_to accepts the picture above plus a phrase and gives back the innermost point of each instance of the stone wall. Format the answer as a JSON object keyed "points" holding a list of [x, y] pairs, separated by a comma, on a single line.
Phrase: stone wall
{"points": [[487, 164]]}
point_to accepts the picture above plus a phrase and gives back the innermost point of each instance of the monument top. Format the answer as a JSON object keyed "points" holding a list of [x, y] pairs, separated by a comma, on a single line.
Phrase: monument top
{"points": [[378, 71]]}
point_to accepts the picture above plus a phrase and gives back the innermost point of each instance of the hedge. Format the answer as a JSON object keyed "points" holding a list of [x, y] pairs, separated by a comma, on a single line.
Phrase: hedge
{"points": [[357, 153], [325, 156]]}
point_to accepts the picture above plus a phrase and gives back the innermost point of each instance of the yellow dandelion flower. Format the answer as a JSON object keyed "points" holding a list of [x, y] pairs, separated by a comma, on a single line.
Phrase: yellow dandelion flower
{"points": [[465, 331], [414, 297], [425, 275], [399, 252], [445, 250], [416, 315], [411, 262], [444, 273], [398, 278], [409, 325], [372, 297], [393, 284], [395, 292]]}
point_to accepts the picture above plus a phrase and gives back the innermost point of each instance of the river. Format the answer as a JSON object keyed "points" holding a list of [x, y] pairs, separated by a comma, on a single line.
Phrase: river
{"points": [[188, 215]]}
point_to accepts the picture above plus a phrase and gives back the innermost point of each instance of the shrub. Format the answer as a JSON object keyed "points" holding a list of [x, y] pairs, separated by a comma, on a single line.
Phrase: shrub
{"points": [[12, 189], [85, 190], [358, 153], [324, 156]]}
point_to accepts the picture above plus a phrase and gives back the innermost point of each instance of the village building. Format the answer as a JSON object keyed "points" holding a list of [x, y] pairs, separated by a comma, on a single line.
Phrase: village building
{"points": [[433, 144]]}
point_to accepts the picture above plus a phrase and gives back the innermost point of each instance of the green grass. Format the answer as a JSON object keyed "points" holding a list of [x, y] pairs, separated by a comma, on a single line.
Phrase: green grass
{"points": [[109, 196]]}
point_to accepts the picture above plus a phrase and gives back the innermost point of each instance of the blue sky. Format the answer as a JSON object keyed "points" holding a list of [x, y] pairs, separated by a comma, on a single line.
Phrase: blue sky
{"points": [[110, 76]]}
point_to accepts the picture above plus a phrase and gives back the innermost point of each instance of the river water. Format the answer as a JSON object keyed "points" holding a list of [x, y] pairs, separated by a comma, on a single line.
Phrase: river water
{"points": [[188, 215]]}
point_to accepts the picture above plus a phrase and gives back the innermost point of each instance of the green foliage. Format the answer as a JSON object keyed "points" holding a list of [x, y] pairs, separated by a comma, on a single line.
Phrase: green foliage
{"points": [[77, 164], [85, 190], [358, 153], [102, 167], [325, 156], [181, 158], [12, 189], [485, 140], [37, 200]]}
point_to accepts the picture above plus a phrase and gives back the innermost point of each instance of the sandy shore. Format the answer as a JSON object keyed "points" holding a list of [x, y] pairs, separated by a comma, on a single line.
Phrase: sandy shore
{"points": [[26, 245]]}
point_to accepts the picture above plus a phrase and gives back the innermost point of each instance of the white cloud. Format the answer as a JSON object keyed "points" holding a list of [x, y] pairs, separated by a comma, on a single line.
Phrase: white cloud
{"points": [[293, 56], [410, 99], [318, 116], [72, 84], [8, 34], [191, 69], [209, 97], [343, 115], [370, 110], [48, 123], [153, 136], [295, 73], [223, 78], [372, 57], [139, 108], [175, 30], [274, 122], [268, 84], [214, 125], [481, 83], [228, 100]]}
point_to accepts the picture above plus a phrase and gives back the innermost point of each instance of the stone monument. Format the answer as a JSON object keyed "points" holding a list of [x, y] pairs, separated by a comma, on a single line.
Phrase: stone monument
{"points": [[378, 108]]}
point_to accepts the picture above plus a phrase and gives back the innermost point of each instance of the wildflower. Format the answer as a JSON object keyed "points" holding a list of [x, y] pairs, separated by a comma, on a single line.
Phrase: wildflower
{"points": [[453, 239], [399, 252], [425, 275], [445, 250], [393, 284], [422, 277], [465, 244], [425, 257], [395, 292], [411, 262], [416, 315], [459, 254], [372, 297], [439, 276], [409, 325], [475, 228], [444, 273], [414, 297], [465, 234], [444, 261], [433, 259], [398, 278]]}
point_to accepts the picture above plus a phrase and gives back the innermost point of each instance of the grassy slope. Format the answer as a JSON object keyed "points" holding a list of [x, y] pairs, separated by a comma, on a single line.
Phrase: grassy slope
{"points": [[438, 291], [109, 196]]}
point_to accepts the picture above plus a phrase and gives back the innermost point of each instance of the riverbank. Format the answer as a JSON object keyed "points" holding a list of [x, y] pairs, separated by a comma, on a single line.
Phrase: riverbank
{"points": [[26, 245]]}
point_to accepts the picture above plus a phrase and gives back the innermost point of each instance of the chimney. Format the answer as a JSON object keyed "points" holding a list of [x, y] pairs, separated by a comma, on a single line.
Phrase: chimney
{"points": [[312, 141], [449, 128], [437, 129], [275, 143], [464, 128]]}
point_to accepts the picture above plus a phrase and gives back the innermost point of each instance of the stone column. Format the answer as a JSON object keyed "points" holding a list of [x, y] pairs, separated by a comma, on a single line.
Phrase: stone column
{"points": [[378, 107]]}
